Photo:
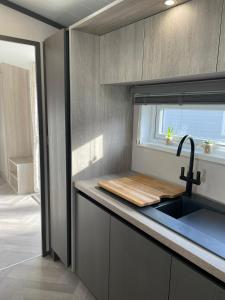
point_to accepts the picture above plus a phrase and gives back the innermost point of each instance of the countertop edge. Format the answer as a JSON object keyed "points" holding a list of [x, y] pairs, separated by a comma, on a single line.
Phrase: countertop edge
{"points": [[199, 256]]}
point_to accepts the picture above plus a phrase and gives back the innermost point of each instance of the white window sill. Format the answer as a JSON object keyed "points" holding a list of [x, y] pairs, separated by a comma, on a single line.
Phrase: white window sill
{"points": [[217, 156]]}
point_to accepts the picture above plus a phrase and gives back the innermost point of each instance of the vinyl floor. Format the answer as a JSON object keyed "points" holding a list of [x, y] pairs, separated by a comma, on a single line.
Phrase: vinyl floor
{"points": [[20, 227]]}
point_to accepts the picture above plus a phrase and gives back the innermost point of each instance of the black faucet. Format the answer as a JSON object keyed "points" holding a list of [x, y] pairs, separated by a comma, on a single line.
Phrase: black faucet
{"points": [[190, 175]]}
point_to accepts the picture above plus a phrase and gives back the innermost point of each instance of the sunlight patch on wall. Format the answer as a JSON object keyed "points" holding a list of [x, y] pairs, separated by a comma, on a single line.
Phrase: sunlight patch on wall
{"points": [[87, 155]]}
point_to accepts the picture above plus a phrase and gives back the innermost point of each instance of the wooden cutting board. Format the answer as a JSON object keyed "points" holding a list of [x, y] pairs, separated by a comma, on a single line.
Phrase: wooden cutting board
{"points": [[141, 190]]}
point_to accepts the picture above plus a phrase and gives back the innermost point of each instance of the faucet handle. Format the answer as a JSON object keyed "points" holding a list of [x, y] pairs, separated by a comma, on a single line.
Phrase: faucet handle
{"points": [[197, 181], [198, 178], [182, 176]]}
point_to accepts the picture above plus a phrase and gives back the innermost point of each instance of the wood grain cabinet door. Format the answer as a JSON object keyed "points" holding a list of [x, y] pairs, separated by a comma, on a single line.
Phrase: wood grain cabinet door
{"points": [[56, 72], [121, 54], [221, 57], [139, 269], [188, 284], [182, 41], [92, 246]]}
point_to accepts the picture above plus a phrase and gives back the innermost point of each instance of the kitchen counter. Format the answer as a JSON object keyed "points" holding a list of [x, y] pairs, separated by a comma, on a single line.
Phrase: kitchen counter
{"points": [[199, 256]]}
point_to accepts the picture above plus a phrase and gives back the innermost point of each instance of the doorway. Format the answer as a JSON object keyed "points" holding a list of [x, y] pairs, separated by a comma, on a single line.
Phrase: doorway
{"points": [[22, 166]]}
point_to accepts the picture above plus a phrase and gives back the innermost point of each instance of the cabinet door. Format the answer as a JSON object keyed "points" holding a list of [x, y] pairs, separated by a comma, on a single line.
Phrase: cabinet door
{"points": [[187, 283], [121, 54], [56, 77], [183, 40], [221, 58], [139, 269], [92, 246]]}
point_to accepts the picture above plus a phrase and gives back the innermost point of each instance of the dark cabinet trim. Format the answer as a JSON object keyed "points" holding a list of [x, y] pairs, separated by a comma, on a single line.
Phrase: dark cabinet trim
{"points": [[68, 138]]}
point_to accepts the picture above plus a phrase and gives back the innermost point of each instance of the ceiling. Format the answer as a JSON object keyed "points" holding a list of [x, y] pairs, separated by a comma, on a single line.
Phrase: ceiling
{"points": [[65, 12], [16, 54]]}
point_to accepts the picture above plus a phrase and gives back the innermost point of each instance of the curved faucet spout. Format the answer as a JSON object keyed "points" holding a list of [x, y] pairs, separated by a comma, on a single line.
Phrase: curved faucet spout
{"points": [[192, 155], [189, 178]]}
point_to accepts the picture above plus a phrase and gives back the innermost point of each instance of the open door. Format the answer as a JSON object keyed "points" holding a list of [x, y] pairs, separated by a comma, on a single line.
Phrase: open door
{"points": [[58, 116]]}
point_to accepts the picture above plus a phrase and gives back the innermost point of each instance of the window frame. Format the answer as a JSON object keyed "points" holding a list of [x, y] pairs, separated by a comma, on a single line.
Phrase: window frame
{"points": [[154, 124]]}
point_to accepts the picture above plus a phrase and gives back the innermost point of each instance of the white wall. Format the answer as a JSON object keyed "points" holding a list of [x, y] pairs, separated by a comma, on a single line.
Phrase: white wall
{"points": [[20, 55], [15, 24], [167, 166]]}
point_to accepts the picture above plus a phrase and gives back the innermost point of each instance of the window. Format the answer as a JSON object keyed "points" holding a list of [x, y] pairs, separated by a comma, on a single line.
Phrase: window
{"points": [[202, 122]]}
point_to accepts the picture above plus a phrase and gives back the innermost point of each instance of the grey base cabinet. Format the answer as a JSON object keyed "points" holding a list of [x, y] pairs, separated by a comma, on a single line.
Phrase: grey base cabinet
{"points": [[139, 269], [92, 246], [117, 262], [188, 284]]}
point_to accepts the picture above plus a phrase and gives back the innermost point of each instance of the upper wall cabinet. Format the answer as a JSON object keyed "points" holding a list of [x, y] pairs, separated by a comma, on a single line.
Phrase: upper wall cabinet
{"points": [[183, 40], [121, 54], [221, 58]]}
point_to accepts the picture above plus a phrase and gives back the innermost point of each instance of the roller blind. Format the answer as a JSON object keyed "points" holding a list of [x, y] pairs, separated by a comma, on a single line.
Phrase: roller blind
{"points": [[196, 92]]}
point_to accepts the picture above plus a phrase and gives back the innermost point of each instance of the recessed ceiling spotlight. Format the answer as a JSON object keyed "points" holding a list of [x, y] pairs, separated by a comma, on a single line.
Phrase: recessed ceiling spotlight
{"points": [[169, 2]]}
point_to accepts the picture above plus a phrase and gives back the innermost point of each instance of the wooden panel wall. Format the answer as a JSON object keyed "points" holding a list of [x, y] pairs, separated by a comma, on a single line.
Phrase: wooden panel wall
{"points": [[101, 116], [17, 112]]}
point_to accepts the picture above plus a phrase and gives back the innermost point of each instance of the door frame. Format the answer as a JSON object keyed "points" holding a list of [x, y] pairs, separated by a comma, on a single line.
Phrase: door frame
{"points": [[45, 218]]}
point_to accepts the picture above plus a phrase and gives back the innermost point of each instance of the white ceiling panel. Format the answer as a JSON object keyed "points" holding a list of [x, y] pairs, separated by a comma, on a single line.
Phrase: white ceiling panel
{"points": [[65, 12]]}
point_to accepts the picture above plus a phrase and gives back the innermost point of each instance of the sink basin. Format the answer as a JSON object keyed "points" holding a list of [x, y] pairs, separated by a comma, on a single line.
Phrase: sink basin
{"points": [[179, 208]]}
